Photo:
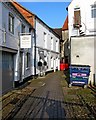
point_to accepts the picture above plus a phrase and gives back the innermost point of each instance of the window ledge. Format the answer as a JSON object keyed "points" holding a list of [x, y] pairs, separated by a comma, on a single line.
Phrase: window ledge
{"points": [[27, 68]]}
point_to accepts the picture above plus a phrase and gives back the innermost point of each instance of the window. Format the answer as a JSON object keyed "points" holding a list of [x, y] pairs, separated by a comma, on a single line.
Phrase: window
{"points": [[23, 28], [27, 60], [51, 62], [11, 23], [51, 43], [30, 29], [57, 46], [77, 16], [56, 61], [93, 11], [45, 40]]}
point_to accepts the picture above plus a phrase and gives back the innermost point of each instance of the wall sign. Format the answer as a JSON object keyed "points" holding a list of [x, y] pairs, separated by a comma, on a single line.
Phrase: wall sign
{"points": [[25, 41]]}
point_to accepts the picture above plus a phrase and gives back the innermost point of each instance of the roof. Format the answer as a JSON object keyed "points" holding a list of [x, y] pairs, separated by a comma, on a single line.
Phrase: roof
{"points": [[29, 16], [65, 26], [26, 14], [58, 31]]}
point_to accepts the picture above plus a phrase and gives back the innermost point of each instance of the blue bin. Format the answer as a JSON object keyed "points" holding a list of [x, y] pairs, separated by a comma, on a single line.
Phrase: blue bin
{"points": [[79, 75]]}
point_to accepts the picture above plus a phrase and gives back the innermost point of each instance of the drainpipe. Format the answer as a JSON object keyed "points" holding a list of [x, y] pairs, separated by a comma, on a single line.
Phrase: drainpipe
{"points": [[70, 51], [35, 46], [16, 70]]}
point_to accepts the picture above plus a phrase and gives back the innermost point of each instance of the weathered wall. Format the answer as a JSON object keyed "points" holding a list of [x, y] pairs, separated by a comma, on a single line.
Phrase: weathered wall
{"points": [[65, 38], [82, 53], [11, 41]]}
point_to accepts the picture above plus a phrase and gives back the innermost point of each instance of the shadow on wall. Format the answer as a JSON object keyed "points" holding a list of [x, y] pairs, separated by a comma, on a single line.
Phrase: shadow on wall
{"points": [[66, 52]]}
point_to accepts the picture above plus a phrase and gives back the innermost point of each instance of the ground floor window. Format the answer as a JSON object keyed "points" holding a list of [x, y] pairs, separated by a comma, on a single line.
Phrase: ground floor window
{"points": [[27, 60], [56, 62], [51, 62]]}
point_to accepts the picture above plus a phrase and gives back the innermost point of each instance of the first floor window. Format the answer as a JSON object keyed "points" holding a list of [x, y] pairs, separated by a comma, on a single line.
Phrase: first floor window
{"points": [[56, 46], [45, 40], [93, 11], [11, 23], [51, 43], [23, 28], [77, 16]]}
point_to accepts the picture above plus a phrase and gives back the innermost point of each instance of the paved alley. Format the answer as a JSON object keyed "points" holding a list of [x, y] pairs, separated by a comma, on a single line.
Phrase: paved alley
{"points": [[44, 102], [49, 97]]}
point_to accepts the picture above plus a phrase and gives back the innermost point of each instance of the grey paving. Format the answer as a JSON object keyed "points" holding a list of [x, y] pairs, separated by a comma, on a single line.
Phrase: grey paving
{"points": [[45, 102]]}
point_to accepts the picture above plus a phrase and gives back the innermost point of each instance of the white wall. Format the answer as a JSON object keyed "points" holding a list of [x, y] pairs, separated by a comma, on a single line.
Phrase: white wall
{"points": [[86, 21], [84, 48], [40, 29]]}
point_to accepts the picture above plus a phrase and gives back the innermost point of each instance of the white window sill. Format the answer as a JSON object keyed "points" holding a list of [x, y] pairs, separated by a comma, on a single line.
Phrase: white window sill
{"points": [[27, 68]]}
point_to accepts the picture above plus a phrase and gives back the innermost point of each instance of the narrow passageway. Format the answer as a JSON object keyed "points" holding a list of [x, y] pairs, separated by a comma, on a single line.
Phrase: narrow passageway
{"points": [[50, 97], [45, 102]]}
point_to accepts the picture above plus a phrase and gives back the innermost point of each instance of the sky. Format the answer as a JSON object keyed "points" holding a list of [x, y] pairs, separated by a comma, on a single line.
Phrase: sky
{"points": [[52, 13]]}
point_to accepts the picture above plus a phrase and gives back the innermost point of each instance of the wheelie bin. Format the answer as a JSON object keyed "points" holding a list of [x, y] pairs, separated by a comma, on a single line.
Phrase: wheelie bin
{"points": [[79, 75]]}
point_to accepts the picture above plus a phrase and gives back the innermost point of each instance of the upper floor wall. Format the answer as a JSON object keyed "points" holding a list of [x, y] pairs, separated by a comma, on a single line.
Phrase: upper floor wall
{"points": [[45, 38], [65, 35], [1, 14], [12, 24], [0, 22], [81, 17]]}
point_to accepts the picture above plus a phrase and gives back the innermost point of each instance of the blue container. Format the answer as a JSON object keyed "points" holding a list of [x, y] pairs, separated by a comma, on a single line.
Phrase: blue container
{"points": [[79, 75]]}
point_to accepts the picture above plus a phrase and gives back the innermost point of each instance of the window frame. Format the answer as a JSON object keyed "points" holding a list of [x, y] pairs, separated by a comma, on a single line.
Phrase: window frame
{"points": [[27, 60], [11, 25], [22, 28], [45, 39], [93, 8], [51, 43], [56, 45], [76, 18], [52, 64]]}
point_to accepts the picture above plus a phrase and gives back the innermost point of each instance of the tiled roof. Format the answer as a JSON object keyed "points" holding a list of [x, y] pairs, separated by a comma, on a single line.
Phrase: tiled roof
{"points": [[29, 16], [58, 31], [26, 14], [65, 26]]}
